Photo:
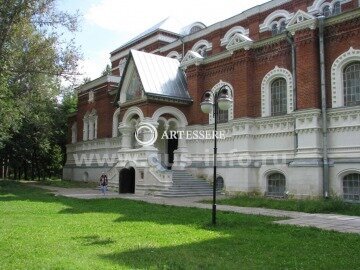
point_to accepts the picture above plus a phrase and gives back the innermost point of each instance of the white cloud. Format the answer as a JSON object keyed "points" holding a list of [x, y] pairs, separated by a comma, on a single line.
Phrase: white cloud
{"points": [[93, 64], [133, 17], [123, 20]]}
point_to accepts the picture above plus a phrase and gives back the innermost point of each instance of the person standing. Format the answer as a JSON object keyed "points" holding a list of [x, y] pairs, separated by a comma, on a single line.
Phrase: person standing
{"points": [[103, 183]]}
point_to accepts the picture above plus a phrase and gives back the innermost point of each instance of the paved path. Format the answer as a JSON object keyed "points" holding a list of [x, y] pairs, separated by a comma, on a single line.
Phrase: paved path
{"points": [[341, 223]]}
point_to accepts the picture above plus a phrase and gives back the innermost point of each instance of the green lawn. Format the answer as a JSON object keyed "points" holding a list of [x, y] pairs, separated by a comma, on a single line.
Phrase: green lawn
{"points": [[42, 231], [66, 184], [335, 205]]}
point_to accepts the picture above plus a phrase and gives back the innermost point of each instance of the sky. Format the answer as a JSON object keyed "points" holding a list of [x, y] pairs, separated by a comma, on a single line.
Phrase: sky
{"points": [[107, 24]]}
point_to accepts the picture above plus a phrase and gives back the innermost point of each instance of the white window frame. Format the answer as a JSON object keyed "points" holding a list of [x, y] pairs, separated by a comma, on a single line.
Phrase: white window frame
{"points": [[229, 34], [277, 14], [231, 109], [337, 79], [90, 126], [202, 43], [174, 55], [274, 74]]}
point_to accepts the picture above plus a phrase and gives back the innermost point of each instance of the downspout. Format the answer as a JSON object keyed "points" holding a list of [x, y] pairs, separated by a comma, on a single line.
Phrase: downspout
{"points": [[290, 40], [183, 47], [323, 109]]}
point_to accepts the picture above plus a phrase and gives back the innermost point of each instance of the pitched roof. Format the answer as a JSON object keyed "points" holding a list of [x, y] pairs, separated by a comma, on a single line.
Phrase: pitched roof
{"points": [[167, 25], [160, 76]]}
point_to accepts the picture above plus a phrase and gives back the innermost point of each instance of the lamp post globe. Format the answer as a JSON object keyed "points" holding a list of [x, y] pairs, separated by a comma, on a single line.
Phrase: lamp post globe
{"points": [[206, 107]]}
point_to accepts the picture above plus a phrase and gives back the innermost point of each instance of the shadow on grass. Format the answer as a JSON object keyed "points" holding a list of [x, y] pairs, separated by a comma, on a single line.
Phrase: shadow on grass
{"points": [[239, 241], [96, 240]]}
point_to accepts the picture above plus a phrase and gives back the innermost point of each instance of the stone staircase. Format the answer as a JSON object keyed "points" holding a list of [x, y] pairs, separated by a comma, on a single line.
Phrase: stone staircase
{"points": [[186, 185]]}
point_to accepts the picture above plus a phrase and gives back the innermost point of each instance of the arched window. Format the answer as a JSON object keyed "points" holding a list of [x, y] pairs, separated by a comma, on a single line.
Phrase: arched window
{"points": [[274, 29], [276, 185], [195, 29], [278, 97], [90, 126], [220, 183], [223, 116], [202, 50], [351, 187], [351, 78], [282, 27], [326, 11], [202, 47], [337, 8]]}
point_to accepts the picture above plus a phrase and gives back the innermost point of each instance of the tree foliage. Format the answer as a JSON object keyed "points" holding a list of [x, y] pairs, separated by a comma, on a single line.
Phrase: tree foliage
{"points": [[34, 58], [106, 71]]}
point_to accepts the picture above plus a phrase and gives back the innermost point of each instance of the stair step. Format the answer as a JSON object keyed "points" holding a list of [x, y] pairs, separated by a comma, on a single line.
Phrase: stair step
{"points": [[186, 185]]}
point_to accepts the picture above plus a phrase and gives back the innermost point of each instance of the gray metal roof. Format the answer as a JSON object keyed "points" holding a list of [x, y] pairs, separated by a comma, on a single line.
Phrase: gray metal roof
{"points": [[168, 25], [161, 76]]}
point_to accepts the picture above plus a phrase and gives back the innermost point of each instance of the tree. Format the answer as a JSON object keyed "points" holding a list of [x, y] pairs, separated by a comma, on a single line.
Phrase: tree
{"points": [[34, 58], [106, 71], [31, 46]]}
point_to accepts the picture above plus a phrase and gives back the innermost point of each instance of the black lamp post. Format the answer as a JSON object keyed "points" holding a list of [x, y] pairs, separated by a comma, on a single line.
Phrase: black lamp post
{"points": [[211, 102]]}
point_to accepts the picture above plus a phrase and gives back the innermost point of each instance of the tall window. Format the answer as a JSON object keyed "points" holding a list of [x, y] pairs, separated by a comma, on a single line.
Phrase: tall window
{"points": [[276, 184], [326, 11], [351, 187], [337, 8], [282, 27], [274, 29], [352, 84], [278, 97], [90, 126], [223, 116]]}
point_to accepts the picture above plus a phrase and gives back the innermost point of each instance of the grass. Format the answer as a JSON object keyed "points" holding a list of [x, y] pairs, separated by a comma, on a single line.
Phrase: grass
{"points": [[66, 184], [334, 205], [42, 231]]}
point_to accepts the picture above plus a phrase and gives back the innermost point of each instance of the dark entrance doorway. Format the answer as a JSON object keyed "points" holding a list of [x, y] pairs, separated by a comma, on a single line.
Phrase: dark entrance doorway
{"points": [[127, 180], [172, 145]]}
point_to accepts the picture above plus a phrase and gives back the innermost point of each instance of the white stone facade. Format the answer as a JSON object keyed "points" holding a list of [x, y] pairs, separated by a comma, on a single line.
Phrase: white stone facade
{"points": [[253, 148]]}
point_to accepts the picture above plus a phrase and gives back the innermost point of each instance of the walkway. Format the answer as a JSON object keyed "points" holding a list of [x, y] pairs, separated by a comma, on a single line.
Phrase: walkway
{"points": [[340, 223]]}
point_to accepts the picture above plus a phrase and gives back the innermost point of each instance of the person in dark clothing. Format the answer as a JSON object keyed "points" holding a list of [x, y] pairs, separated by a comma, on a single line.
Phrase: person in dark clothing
{"points": [[103, 183]]}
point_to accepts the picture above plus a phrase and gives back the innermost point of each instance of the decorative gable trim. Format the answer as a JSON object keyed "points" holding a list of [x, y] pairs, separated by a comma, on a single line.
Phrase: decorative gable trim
{"points": [[300, 21], [191, 58], [239, 41]]}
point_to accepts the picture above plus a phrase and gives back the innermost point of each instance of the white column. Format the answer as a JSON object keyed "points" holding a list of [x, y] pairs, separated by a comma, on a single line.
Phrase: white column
{"points": [[147, 135], [126, 133], [86, 129], [181, 154], [74, 133]]}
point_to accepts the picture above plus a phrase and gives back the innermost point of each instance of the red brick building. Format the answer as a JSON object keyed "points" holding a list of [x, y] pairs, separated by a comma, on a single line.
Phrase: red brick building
{"points": [[282, 63]]}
